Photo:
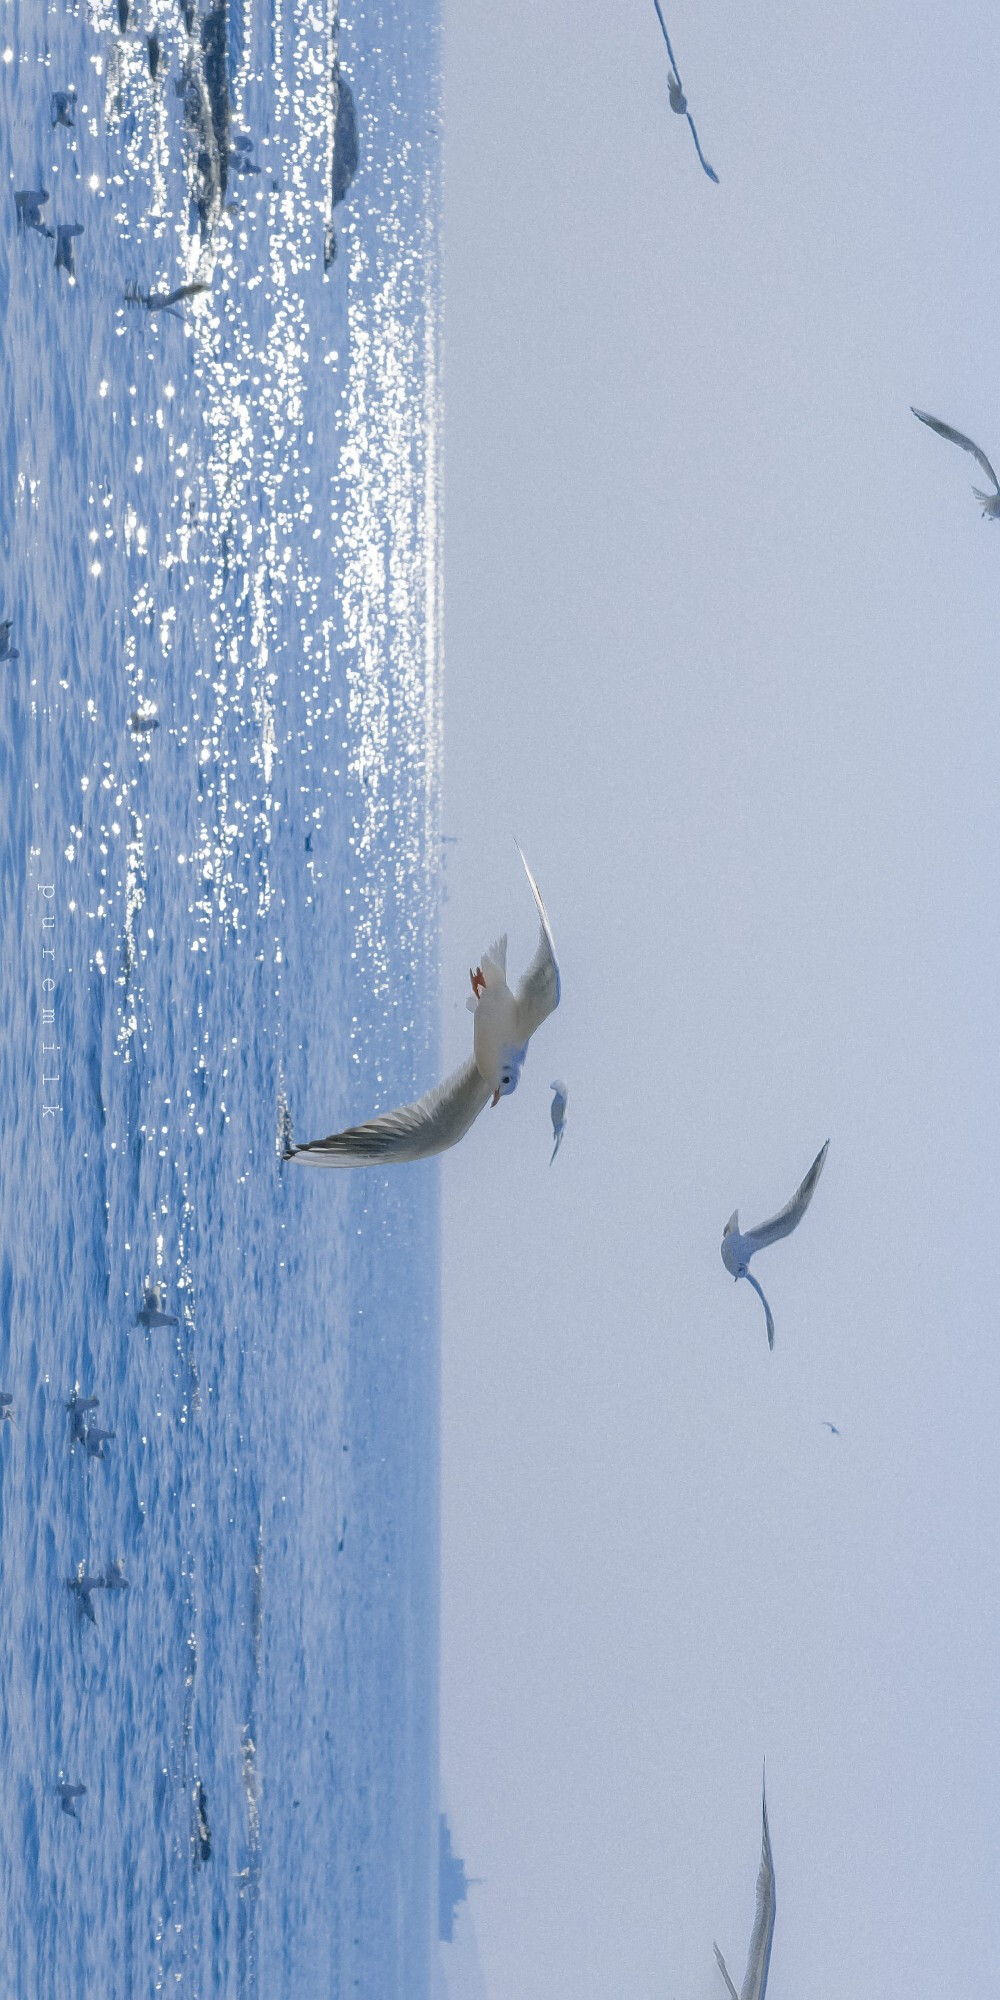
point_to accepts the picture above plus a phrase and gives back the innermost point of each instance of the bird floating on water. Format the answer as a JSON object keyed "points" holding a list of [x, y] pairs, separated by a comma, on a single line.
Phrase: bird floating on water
{"points": [[29, 203], [503, 1026], [65, 233], [151, 1311], [990, 501], [558, 1110], [678, 101], [739, 1246], [83, 1587], [759, 1957]]}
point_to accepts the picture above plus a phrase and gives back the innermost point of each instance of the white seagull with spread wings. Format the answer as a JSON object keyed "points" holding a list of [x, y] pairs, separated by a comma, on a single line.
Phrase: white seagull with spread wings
{"points": [[991, 501], [503, 1026], [738, 1246], [759, 1957]]}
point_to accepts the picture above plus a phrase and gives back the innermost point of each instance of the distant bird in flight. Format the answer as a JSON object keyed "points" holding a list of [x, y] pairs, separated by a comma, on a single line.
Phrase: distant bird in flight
{"points": [[759, 1957], [739, 1246], [991, 501], [7, 651], [503, 1026], [558, 1110], [678, 101], [832, 1428], [67, 1795]]}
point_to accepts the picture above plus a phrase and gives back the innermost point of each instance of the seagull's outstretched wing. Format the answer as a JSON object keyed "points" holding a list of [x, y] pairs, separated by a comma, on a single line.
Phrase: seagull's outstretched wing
{"points": [[759, 1959], [751, 1280], [539, 992], [958, 437], [432, 1124], [710, 171], [789, 1217], [724, 1969], [666, 37]]}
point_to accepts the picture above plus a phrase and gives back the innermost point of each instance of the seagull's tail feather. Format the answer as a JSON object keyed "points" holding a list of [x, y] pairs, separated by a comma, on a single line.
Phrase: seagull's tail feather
{"points": [[555, 1149], [751, 1280]]}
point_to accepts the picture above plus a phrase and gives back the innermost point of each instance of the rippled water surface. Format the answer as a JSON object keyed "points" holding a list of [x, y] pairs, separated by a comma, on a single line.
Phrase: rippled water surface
{"points": [[222, 517]]}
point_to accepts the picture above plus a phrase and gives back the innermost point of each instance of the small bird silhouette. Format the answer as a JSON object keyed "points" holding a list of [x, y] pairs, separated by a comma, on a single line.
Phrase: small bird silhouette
{"points": [[558, 1111], [678, 101], [739, 1246]]}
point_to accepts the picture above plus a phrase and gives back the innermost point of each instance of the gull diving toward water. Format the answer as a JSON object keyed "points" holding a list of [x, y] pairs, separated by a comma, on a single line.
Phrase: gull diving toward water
{"points": [[759, 1958], [991, 501], [502, 1028], [739, 1246], [678, 101], [558, 1110]]}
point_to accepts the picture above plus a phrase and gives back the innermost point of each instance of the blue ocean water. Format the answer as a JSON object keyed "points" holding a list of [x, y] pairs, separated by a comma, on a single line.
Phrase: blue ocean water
{"points": [[222, 516]]}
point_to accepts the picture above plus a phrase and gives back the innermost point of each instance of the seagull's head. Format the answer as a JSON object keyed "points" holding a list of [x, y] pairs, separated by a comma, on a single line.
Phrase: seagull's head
{"points": [[732, 1248], [511, 1065]]}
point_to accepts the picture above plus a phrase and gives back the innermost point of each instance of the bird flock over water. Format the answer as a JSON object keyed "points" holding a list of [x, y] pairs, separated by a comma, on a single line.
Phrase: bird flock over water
{"points": [[505, 1017], [504, 1021]]}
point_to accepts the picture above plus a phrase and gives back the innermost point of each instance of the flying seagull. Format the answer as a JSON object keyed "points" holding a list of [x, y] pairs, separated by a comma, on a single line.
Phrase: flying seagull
{"points": [[738, 1247], [503, 1026], [759, 1956], [678, 101], [991, 501], [67, 1794], [832, 1428], [558, 1110]]}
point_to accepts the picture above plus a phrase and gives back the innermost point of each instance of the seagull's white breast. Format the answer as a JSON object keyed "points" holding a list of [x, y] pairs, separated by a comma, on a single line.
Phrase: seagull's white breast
{"points": [[493, 1030]]}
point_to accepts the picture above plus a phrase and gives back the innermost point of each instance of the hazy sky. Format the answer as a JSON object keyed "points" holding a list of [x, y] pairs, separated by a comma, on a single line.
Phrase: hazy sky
{"points": [[721, 650]]}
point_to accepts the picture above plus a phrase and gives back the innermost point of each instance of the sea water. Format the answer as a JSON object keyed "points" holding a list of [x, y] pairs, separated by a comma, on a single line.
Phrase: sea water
{"points": [[220, 516]]}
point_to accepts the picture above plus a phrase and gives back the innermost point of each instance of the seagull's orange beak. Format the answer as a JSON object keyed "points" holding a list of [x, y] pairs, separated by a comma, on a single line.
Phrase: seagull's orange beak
{"points": [[496, 1099]]}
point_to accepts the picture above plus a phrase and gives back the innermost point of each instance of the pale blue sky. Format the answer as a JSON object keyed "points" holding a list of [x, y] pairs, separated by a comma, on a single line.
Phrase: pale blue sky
{"points": [[721, 650]]}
